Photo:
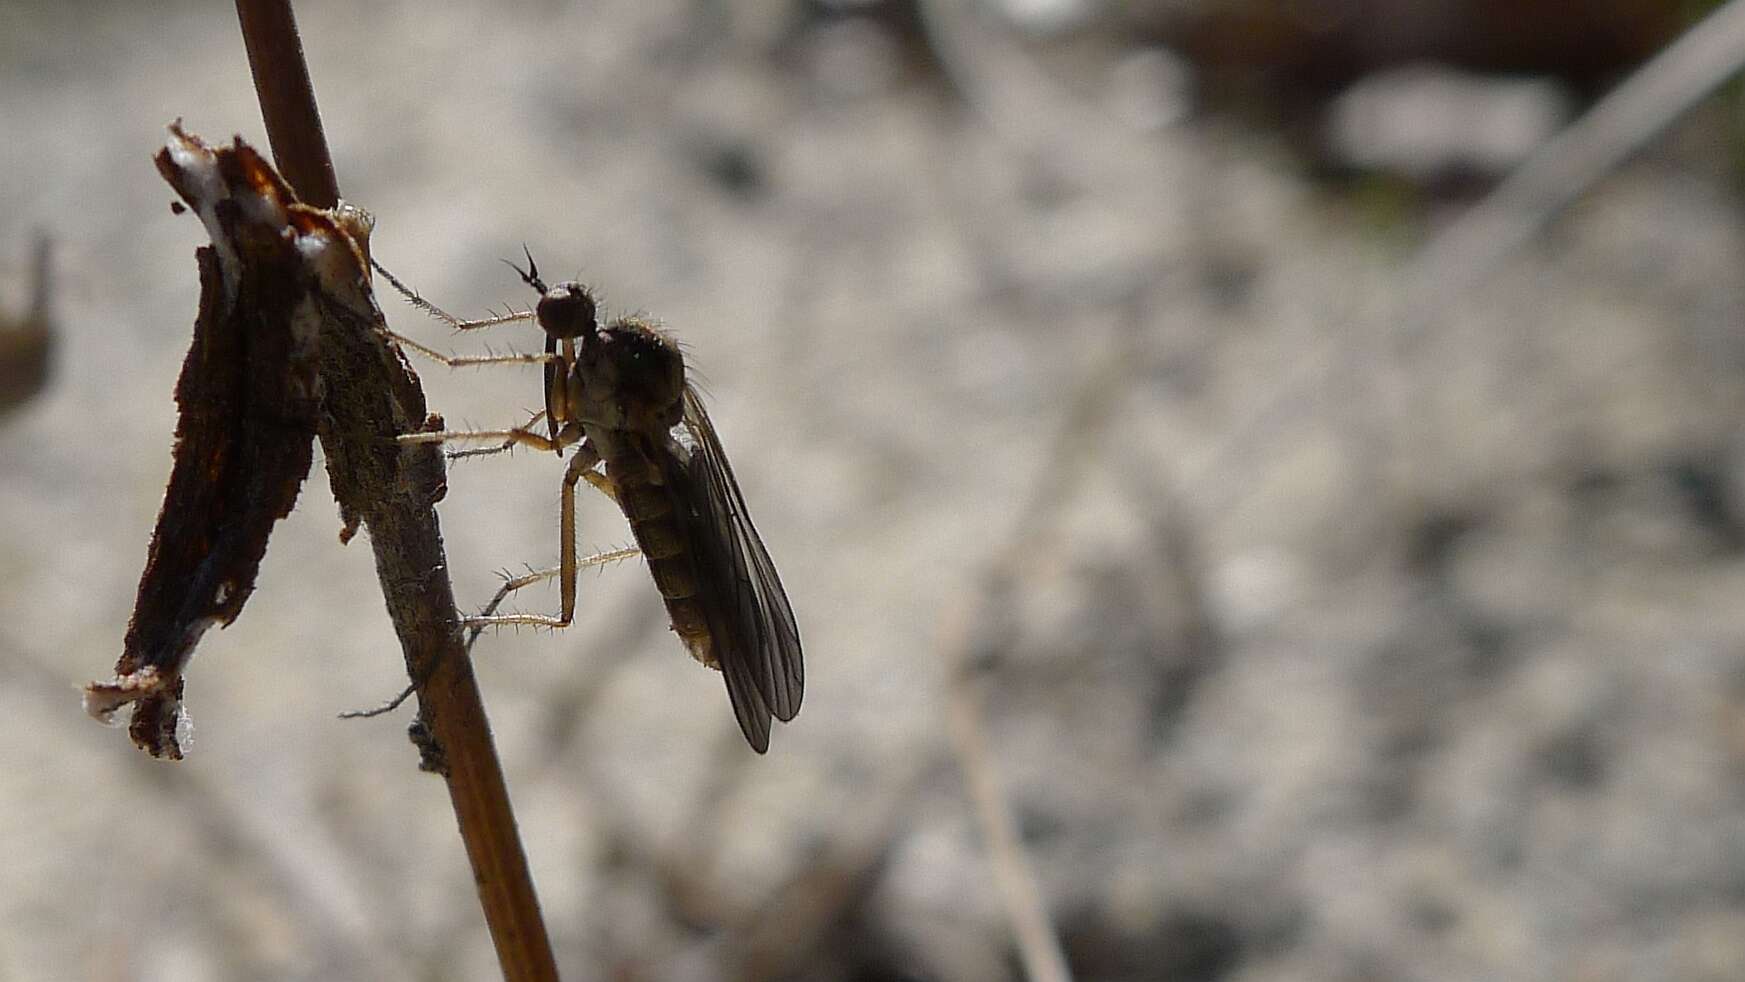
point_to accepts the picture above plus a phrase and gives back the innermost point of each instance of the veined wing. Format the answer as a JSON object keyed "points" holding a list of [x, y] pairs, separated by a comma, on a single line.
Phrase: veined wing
{"points": [[755, 637]]}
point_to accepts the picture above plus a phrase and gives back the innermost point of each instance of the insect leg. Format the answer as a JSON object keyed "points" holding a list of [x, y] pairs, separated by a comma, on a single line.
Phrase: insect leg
{"points": [[457, 361], [519, 434], [433, 310], [510, 585], [601, 483], [580, 465], [507, 443], [469, 361], [513, 583]]}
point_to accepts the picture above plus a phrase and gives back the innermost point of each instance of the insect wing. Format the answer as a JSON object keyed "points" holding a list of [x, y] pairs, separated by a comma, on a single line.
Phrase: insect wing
{"points": [[757, 640]]}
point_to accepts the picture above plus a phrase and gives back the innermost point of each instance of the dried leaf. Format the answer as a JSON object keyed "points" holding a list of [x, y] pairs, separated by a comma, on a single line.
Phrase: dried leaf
{"points": [[250, 399]]}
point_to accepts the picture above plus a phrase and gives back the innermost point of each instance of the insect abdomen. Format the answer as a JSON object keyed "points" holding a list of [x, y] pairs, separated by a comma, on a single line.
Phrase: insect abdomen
{"points": [[649, 508]]}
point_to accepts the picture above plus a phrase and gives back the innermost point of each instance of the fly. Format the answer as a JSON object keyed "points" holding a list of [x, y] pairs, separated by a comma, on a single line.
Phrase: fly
{"points": [[618, 395]]}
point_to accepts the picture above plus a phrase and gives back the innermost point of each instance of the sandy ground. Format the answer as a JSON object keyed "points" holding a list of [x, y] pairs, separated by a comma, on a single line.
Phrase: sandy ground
{"points": [[1327, 652]]}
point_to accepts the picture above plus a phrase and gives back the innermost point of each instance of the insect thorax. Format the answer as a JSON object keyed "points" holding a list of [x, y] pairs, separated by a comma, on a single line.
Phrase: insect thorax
{"points": [[632, 376]]}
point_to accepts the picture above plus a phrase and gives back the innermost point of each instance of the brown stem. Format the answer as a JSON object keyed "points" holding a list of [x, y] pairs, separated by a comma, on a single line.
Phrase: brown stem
{"points": [[287, 98], [369, 398]]}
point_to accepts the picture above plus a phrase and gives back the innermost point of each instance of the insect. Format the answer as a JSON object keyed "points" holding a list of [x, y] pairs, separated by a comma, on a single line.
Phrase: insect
{"points": [[618, 394]]}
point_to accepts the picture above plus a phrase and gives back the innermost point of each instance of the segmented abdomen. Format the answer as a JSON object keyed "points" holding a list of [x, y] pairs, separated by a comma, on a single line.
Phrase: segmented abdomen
{"points": [[651, 508]]}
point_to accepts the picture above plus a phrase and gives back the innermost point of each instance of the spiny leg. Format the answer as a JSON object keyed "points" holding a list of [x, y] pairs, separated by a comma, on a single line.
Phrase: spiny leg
{"points": [[469, 361], [457, 361], [581, 465], [506, 445], [510, 437], [433, 310], [514, 583], [570, 434], [510, 585]]}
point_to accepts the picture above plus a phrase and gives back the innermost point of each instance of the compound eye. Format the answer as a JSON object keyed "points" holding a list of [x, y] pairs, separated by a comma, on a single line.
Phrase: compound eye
{"points": [[566, 311]]}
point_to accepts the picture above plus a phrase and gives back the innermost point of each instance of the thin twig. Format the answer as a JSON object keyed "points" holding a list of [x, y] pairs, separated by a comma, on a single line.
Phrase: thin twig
{"points": [[1038, 944], [27, 344], [42, 278], [287, 98], [1647, 102], [372, 395], [1075, 441], [1457, 260], [787, 931]]}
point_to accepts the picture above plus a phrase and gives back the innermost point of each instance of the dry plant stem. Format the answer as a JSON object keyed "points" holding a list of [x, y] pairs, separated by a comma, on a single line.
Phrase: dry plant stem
{"points": [[371, 397], [287, 98], [1072, 446], [785, 934], [1457, 260], [1659, 92], [1038, 945], [27, 344]]}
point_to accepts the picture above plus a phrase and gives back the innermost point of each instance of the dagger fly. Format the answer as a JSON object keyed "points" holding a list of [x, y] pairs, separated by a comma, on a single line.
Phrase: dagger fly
{"points": [[618, 395]]}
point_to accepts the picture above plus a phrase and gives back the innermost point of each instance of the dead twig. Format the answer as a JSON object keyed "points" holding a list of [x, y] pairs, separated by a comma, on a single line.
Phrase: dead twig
{"points": [[286, 301], [1629, 116], [1038, 942], [787, 931], [27, 344], [372, 397], [287, 98], [1076, 439]]}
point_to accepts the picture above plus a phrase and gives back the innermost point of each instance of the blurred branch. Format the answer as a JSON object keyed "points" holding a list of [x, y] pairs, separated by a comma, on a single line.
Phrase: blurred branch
{"points": [[1066, 461], [992, 73], [1619, 124], [27, 344], [371, 396], [1038, 942], [1471, 248], [782, 938]]}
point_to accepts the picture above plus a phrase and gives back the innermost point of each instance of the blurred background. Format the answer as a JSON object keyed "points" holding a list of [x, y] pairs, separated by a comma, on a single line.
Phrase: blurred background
{"points": [[1317, 618]]}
